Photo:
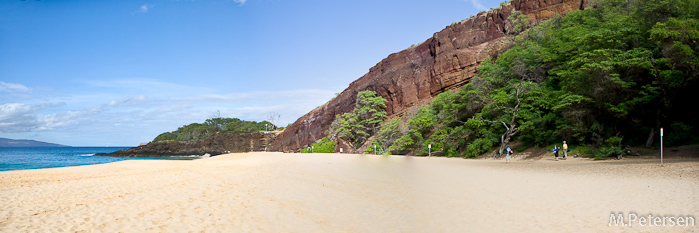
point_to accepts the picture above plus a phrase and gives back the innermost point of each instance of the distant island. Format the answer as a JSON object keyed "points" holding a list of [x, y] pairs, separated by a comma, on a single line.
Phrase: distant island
{"points": [[6, 142]]}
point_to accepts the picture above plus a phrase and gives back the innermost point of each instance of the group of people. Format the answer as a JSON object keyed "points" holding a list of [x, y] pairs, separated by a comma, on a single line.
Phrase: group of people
{"points": [[556, 150]]}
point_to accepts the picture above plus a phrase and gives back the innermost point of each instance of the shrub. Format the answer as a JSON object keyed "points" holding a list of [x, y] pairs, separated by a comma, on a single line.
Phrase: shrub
{"points": [[388, 133], [678, 134], [406, 143], [478, 147], [582, 150], [612, 148], [324, 146]]}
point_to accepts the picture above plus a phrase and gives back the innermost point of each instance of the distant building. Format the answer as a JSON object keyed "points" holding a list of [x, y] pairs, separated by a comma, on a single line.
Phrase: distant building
{"points": [[143, 143]]}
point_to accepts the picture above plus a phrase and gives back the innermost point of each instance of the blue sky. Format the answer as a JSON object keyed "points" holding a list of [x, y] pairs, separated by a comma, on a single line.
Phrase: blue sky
{"points": [[118, 73]]}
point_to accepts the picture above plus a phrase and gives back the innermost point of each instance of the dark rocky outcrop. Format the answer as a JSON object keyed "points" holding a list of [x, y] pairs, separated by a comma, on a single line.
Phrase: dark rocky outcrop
{"points": [[221, 143], [413, 76]]}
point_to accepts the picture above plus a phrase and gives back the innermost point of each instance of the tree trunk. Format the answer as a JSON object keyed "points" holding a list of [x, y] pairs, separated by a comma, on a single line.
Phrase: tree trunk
{"points": [[502, 144], [511, 127], [504, 139], [651, 135]]}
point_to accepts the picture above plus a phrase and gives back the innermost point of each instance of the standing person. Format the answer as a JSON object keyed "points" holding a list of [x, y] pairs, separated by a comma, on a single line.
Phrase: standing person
{"points": [[555, 151], [509, 154], [565, 150]]}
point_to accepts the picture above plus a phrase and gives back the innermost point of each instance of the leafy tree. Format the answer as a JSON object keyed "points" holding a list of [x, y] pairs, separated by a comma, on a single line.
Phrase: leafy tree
{"points": [[388, 133], [419, 126], [509, 104], [520, 22], [356, 126]]}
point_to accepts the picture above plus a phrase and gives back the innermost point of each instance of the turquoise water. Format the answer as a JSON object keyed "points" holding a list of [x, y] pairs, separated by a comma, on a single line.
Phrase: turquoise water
{"points": [[21, 158]]}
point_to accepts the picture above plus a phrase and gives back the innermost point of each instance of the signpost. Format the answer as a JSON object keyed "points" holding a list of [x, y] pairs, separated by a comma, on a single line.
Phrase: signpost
{"points": [[661, 147], [312, 148], [374, 149], [429, 151]]}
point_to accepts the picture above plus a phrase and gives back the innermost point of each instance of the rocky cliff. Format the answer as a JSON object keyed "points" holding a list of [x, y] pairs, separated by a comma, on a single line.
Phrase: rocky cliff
{"points": [[446, 61], [221, 143]]}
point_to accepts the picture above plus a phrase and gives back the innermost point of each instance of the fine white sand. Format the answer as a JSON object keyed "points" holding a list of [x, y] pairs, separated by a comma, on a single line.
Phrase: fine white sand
{"points": [[275, 192]]}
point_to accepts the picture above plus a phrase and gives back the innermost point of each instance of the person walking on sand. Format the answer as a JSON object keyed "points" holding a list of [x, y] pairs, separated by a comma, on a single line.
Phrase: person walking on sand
{"points": [[555, 151], [508, 157], [565, 150]]}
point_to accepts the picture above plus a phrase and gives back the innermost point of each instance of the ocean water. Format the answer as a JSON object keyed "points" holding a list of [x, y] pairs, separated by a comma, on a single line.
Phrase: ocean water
{"points": [[21, 158]]}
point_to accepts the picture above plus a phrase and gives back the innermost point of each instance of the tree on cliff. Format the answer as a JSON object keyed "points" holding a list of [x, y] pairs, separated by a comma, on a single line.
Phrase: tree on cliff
{"points": [[197, 131], [356, 126], [419, 127], [273, 117], [507, 103]]}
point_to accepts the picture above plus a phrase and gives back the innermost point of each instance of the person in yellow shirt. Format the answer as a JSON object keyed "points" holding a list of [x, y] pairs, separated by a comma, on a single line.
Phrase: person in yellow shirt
{"points": [[565, 150]]}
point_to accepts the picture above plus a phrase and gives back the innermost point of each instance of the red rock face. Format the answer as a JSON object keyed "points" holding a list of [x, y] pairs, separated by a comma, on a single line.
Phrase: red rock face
{"points": [[413, 76]]}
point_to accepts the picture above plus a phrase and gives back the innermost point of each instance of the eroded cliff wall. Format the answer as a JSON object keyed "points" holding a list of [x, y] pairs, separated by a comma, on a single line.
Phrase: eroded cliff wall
{"points": [[446, 61]]}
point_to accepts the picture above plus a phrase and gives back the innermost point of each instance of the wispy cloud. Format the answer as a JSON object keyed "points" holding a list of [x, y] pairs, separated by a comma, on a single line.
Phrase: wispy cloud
{"points": [[478, 5], [137, 110], [152, 86], [128, 101], [18, 117], [144, 8], [259, 95], [166, 112], [241, 2], [13, 87]]}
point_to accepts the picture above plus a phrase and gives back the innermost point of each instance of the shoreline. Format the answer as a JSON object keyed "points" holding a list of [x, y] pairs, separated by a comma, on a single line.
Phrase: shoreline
{"points": [[272, 192]]}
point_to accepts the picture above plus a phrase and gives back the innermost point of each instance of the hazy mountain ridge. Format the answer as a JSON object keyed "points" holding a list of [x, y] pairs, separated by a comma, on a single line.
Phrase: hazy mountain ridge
{"points": [[6, 142]]}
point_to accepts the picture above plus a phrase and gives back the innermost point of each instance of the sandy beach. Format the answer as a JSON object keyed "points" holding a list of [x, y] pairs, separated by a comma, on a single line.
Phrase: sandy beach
{"points": [[276, 192]]}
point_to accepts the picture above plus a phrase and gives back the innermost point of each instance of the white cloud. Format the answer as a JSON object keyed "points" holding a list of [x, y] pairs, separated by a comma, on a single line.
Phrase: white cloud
{"points": [[283, 96], [154, 88], [13, 87], [478, 5], [137, 110], [144, 8], [18, 117], [242, 2], [60, 120], [21, 118], [128, 101]]}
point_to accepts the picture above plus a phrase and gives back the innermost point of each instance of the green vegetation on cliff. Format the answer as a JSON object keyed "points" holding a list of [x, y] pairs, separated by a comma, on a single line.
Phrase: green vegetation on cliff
{"points": [[355, 127], [609, 75], [324, 146], [196, 131]]}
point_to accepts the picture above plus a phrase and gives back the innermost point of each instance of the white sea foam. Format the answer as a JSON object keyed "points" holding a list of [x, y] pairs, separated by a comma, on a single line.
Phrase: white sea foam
{"points": [[85, 155], [193, 156]]}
